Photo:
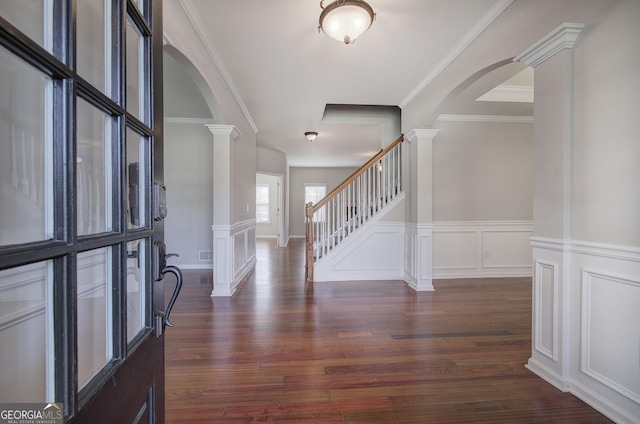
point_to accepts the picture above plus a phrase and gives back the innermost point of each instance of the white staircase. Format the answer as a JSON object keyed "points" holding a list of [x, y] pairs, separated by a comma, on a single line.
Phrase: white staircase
{"points": [[353, 203]]}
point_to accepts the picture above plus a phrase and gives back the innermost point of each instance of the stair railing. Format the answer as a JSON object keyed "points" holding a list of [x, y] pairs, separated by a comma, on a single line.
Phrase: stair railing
{"points": [[352, 203]]}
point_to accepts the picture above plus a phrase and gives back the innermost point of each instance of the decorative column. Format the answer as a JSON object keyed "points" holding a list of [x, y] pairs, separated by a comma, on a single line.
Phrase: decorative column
{"points": [[418, 238], [223, 272], [552, 58]]}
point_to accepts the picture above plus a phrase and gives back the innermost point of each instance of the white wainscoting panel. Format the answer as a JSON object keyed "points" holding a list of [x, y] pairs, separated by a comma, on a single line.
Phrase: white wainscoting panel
{"points": [[545, 308], [375, 252], [418, 243], [506, 248], [424, 254], [234, 254], [550, 292], [593, 292], [381, 260], [611, 331], [222, 252], [410, 254], [239, 251], [476, 249]]}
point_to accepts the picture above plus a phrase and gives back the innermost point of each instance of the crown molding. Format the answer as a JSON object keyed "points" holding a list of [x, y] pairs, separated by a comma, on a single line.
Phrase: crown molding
{"points": [[421, 134], [229, 130], [195, 21], [563, 37], [486, 118], [486, 20]]}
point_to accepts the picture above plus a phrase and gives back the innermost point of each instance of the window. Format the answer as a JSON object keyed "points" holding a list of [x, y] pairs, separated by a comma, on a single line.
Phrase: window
{"points": [[262, 203], [314, 193]]}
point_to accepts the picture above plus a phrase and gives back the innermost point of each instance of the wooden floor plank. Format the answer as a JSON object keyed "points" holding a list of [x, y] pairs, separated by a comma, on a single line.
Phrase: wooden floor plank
{"points": [[360, 352]]}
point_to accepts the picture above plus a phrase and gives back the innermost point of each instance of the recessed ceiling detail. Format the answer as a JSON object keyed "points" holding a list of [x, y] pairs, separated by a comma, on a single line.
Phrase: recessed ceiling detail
{"points": [[508, 93], [518, 88]]}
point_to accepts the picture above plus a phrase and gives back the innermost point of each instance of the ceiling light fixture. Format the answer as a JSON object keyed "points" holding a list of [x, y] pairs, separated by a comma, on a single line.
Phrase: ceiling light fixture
{"points": [[311, 135], [346, 20]]}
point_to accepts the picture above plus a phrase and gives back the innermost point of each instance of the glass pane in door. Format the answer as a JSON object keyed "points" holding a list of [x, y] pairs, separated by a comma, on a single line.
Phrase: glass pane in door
{"points": [[94, 43], [136, 179], [26, 334], [95, 335], [94, 169], [141, 5], [25, 152], [33, 18], [136, 287], [135, 72]]}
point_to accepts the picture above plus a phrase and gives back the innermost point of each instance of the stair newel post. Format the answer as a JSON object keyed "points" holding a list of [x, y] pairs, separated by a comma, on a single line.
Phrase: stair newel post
{"points": [[308, 212]]}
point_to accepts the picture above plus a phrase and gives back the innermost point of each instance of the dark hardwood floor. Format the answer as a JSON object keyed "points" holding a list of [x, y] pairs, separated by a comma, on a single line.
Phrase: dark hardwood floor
{"points": [[356, 352]]}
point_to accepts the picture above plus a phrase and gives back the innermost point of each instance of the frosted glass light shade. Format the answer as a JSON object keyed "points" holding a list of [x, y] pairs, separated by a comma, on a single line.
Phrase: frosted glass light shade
{"points": [[346, 20]]}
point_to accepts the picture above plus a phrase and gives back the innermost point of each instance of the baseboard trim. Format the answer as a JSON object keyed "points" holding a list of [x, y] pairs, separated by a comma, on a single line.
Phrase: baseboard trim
{"points": [[548, 375]]}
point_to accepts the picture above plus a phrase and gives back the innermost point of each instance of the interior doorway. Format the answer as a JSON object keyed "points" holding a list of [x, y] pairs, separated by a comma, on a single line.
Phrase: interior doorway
{"points": [[269, 207]]}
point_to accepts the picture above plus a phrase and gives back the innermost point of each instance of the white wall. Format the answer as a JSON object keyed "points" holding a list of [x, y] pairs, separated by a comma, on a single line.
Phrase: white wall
{"points": [[188, 155], [483, 171], [298, 177], [606, 175], [189, 181], [182, 97]]}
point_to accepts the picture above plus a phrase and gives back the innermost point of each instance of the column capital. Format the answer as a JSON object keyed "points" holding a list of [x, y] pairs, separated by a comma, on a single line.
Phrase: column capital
{"points": [[421, 134], [563, 37], [229, 130]]}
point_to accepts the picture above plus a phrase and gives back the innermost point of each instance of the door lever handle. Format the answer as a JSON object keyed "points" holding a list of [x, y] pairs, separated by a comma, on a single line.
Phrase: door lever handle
{"points": [[161, 319], [172, 269]]}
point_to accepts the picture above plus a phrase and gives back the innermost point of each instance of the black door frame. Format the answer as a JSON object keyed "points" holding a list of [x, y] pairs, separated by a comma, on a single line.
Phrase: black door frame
{"points": [[138, 366]]}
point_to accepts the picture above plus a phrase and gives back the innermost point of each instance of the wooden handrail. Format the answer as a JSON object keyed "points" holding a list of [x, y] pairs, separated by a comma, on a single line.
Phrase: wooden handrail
{"points": [[356, 174]]}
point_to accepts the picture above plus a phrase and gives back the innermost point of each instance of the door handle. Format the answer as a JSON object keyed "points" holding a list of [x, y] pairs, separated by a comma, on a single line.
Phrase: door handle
{"points": [[161, 318], [172, 269]]}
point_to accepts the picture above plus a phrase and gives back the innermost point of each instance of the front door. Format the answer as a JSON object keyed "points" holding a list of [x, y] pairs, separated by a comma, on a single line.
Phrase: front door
{"points": [[80, 156]]}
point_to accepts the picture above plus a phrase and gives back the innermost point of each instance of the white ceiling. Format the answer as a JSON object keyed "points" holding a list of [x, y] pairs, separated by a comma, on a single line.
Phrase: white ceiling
{"points": [[284, 72]]}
